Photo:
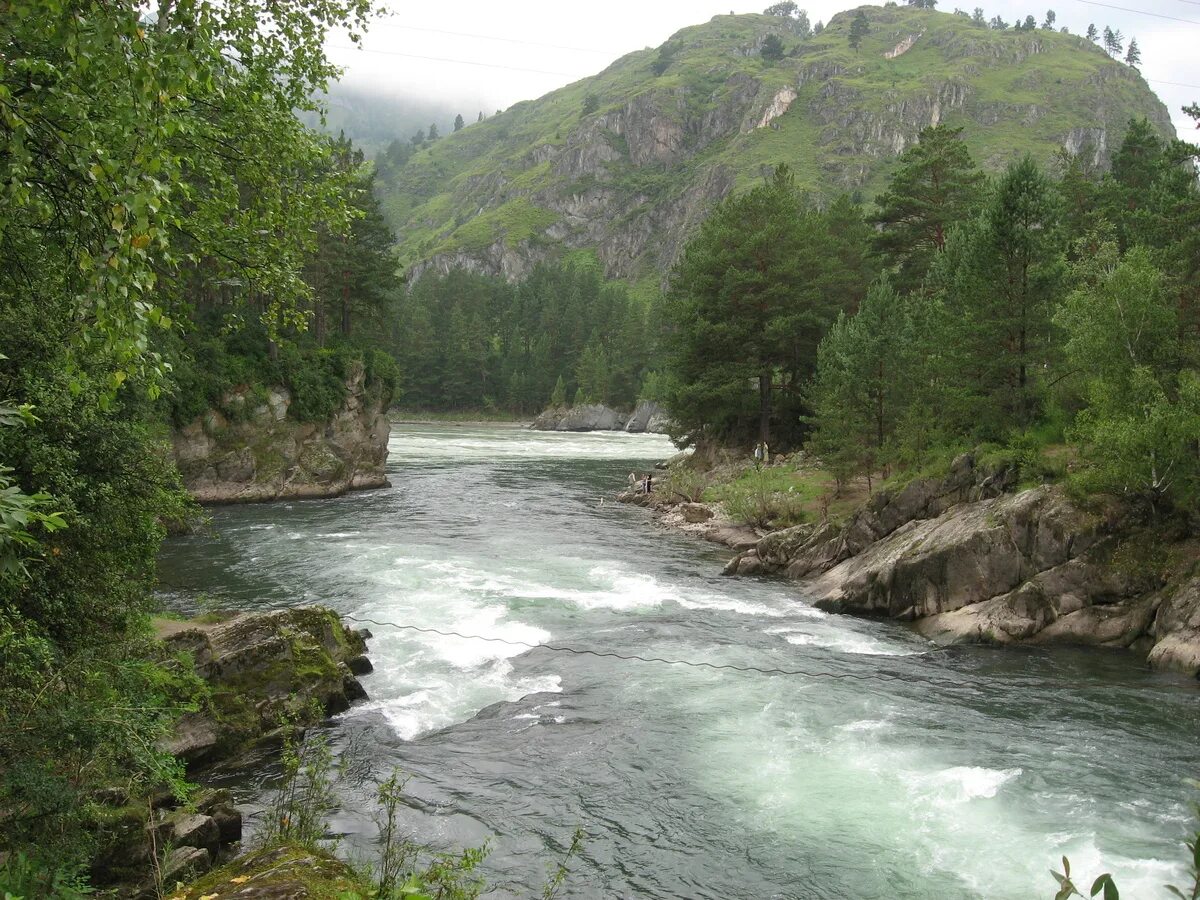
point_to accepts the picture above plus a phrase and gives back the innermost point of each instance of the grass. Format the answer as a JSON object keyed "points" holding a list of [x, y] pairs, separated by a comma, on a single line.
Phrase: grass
{"points": [[1030, 88], [782, 495]]}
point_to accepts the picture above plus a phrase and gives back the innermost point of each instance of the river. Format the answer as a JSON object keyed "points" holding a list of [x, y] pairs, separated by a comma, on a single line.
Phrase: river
{"points": [[960, 774]]}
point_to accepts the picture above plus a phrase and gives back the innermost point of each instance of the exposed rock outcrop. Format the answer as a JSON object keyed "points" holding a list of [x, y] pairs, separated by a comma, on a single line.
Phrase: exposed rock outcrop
{"points": [[1176, 628], [965, 560], [265, 672], [631, 176], [254, 451], [280, 873], [130, 837], [646, 417]]}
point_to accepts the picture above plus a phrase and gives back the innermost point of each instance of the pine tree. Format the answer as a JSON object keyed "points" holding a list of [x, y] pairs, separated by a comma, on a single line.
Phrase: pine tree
{"points": [[801, 26], [1030, 23], [998, 280], [1112, 41], [740, 312], [1134, 56], [859, 27], [977, 16], [1050, 17], [433, 132], [558, 397], [772, 48], [458, 122], [480, 119], [1092, 35], [861, 383], [935, 184], [418, 138]]}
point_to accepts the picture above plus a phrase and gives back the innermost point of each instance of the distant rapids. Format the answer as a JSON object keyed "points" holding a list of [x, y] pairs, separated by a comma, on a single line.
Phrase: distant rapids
{"points": [[960, 774]]}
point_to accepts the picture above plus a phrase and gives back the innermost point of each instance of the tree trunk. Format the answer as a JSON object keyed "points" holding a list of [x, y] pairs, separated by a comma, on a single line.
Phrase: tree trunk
{"points": [[764, 407], [346, 303]]}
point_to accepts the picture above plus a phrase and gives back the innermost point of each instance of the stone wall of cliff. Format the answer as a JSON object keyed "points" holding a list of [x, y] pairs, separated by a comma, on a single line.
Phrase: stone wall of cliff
{"points": [[965, 559], [632, 178], [254, 451]]}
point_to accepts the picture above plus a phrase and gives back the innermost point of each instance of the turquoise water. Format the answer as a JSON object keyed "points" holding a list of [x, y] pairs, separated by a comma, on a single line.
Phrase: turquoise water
{"points": [[964, 774]]}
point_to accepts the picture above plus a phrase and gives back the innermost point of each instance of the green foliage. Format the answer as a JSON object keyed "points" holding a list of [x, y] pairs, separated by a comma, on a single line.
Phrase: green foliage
{"points": [[465, 339], [1003, 344], [749, 300], [685, 483], [772, 48], [1140, 426], [935, 184], [558, 396], [859, 28], [755, 500], [144, 176], [23, 876], [304, 799], [860, 388]]}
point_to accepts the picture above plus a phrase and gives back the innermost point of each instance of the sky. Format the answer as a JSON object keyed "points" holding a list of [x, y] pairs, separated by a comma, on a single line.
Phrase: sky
{"points": [[484, 55]]}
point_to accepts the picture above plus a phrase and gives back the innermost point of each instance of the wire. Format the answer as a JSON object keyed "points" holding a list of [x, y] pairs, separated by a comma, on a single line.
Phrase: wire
{"points": [[461, 62], [489, 37], [579, 651], [1175, 83], [1140, 12]]}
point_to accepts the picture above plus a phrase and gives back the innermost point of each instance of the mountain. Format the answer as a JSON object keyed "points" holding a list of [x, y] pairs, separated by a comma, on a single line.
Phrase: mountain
{"points": [[627, 162]]}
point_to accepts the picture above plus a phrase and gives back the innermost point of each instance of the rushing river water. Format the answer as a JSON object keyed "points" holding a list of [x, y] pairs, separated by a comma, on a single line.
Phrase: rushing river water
{"points": [[966, 773]]}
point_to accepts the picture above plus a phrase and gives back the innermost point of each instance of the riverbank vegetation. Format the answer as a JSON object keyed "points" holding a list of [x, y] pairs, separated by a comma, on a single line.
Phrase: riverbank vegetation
{"points": [[1052, 318], [168, 228]]}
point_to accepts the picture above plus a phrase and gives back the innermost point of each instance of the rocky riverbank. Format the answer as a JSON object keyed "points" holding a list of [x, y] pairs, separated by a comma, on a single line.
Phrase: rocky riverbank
{"points": [[647, 418], [251, 450], [266, 673], [264, 676], [965, 557]]}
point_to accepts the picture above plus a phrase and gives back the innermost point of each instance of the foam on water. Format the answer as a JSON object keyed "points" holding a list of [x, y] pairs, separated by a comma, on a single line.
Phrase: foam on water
{"points": [[767, 785]]}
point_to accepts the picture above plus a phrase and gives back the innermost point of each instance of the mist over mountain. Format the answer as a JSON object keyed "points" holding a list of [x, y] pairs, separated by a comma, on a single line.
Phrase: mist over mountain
{"points": [[373, 115]]}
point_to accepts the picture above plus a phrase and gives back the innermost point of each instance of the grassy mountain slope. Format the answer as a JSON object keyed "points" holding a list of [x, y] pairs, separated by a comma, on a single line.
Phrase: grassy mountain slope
{"points": [[627, 161]]}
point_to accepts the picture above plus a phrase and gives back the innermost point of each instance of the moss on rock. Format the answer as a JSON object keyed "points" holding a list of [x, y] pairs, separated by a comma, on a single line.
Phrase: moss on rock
{"points": [[287, 871]]}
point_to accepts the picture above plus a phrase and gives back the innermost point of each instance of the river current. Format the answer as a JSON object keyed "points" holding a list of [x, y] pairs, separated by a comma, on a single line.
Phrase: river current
{"points": [[960, 774]]}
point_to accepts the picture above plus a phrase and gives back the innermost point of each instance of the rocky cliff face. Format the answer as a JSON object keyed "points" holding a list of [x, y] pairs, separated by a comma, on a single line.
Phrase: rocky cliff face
{"points": [[632, 171], [263, 454], [263, 670], [964, 561], [647, 418]]}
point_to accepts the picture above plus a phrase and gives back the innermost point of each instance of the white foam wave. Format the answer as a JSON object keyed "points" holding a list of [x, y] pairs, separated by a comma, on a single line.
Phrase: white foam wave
{"points": [[958, 784], [838, 641], [731, 604]]}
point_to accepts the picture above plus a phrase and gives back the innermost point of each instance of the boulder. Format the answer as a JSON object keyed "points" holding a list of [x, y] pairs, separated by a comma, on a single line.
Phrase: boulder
{"points": [[972, 553], [183, 863], [591, 417], [263, 668], [218, 804], [1177, 629], [549, 418], [888, 510], [648, 418], [695, 512], [184, 829], [279, 873]]}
